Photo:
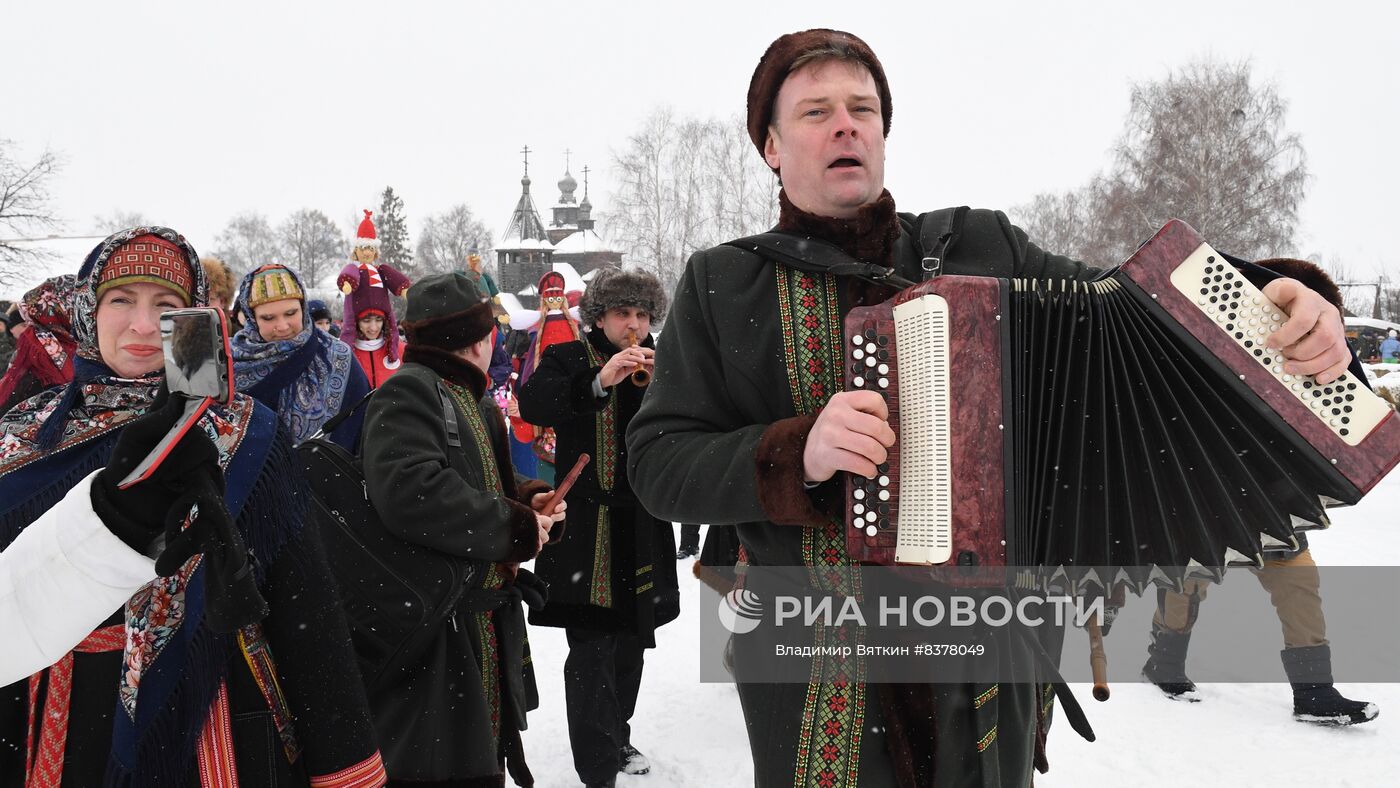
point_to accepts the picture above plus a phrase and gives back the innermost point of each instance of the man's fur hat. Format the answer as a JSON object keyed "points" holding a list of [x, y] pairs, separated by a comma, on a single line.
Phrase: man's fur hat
{"points": [[614, 287]]}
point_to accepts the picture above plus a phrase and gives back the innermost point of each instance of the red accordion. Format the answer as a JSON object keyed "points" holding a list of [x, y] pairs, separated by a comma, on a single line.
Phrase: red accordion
{"points": [[1104, 429]]}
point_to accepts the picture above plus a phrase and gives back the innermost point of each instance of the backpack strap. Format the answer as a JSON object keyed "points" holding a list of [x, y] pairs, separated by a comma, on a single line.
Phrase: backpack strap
{"points": [[816, 256], [938, 231], [449, 417], [344, 414]]}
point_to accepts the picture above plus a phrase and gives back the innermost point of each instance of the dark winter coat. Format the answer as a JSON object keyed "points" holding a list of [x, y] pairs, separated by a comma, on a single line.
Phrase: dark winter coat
{"points": [[742, 368], [615, 567], [436, 724], [719, 440]]}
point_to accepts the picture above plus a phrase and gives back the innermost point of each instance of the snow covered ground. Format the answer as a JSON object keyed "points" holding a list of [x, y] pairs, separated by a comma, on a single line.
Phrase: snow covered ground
{"points": [[1240, 735]]}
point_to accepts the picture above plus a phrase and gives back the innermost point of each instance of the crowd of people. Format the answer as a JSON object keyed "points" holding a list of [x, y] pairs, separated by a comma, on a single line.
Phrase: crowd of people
{"points": [[206, 594]]}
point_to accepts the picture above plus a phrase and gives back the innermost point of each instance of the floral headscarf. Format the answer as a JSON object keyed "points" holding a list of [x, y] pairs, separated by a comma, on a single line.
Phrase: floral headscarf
{"points": [[97, 400], [46, 309]]}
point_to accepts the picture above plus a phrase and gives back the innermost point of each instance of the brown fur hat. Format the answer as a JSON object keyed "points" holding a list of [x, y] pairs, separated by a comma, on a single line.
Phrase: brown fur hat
{"points": [[614, 287], [220, 280], [797, 50], [1310, 275]]}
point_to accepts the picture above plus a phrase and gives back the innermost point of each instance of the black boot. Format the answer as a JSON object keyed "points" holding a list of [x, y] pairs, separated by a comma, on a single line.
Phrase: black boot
{"points": [[1315, 700], [1166, 664]]}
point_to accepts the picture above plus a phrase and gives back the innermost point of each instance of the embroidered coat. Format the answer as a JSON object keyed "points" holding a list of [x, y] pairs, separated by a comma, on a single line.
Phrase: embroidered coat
{"points": [[458, 712], [749, 354], [614, 567]]}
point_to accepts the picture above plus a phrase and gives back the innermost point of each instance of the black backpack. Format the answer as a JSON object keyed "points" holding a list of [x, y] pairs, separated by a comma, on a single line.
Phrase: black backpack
{"points": [[395, 593]]}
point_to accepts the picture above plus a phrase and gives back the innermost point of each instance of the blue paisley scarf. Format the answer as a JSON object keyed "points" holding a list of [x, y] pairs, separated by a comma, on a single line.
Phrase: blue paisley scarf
{"points": [[305, 379]]}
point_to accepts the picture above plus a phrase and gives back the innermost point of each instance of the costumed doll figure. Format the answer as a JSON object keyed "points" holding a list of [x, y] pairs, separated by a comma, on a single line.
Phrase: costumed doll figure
{"points": [[176, 687], [43, 353], [481, 277], [282, 360], [370, 327], [555, 322]]}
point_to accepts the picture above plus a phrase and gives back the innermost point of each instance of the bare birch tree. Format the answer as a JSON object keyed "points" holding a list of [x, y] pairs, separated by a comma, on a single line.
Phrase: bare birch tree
{"points": [[687, 184], [1206, 145], [247, 242], [24, 206], [448, 237], [312, 244]]}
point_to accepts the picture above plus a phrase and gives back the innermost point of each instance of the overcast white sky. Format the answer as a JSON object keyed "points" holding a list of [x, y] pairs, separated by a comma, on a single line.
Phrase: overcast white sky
{"points": [[190, 113]]}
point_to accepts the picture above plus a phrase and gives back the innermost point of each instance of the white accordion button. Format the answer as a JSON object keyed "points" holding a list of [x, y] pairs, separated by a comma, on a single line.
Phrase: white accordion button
{"points": [[858, 509], [884, 496], [869, 361], [871, 530], [856, 340], [884, 383], [859, 495], [859, 382], [857, 354], [883, 369], [884, 481]]}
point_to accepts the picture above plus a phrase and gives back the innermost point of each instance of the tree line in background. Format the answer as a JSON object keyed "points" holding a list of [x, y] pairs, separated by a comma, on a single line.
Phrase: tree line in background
{"points": [[686, 184], [1207, 145], [316, 247]]}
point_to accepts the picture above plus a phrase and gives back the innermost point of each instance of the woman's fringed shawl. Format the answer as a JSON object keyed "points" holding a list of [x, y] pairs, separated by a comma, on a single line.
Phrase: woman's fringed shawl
{"points": [[266, 495], [51, 441]]}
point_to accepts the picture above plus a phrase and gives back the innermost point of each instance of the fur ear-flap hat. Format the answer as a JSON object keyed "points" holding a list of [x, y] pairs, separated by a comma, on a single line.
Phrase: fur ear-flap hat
{"points": [[797, 50], [614, 287]]}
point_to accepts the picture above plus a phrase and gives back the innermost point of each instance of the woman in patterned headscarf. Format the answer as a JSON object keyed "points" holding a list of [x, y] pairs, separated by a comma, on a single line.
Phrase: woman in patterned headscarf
{"points": [[44, 353], [151, 697], [283, 362]]}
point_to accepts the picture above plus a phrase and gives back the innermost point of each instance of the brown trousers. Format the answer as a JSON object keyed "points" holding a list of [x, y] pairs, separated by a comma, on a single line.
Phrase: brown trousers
{"points": [[1293, 587]]}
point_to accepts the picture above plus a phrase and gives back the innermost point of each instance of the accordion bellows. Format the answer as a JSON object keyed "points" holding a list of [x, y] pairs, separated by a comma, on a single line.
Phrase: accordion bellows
{"points": [[1134, 428]]}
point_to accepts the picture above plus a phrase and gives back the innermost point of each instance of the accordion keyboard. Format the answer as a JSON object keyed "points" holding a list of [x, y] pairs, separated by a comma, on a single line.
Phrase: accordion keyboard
{"points": [[1242, 311], [925, 511]]}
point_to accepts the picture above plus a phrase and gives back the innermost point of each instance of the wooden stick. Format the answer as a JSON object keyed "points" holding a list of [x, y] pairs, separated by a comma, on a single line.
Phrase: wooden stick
{"points": [[1098, 660]]}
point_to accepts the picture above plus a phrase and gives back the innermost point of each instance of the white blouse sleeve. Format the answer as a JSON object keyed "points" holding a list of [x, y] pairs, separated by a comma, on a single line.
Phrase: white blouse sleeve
{"points": [[61, 578]]}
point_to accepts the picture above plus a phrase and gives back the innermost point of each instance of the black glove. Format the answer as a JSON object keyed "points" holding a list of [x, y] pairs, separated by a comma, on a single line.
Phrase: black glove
{"points": [[137, 515], [534, 591], [149, 515]]}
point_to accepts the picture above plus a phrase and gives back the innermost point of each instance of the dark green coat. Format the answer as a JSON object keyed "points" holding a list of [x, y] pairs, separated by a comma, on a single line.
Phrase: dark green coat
{"points": [[615, 566], [719, 440], [436, 724]]}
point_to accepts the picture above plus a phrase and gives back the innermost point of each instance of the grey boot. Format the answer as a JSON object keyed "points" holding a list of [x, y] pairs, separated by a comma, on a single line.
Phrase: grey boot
{"points": [[1315, 700], [1166, 664]]}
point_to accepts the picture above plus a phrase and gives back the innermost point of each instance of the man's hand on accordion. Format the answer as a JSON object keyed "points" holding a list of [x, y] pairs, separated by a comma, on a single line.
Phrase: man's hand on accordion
{"points": [[851, 434], [1313, 338]]}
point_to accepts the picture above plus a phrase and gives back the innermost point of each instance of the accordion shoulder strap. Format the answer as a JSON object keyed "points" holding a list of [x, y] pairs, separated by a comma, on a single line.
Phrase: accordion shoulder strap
{"points": [[938, 231], [815, 256]]}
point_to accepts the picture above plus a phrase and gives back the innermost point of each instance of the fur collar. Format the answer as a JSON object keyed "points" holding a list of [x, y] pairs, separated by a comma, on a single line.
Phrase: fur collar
{"points": [[869, 237], [449, 366]]}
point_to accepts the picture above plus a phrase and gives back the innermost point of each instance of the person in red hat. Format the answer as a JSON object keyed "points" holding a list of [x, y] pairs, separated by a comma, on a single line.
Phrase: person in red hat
{"points": [[367, 285], [557, 323]]}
